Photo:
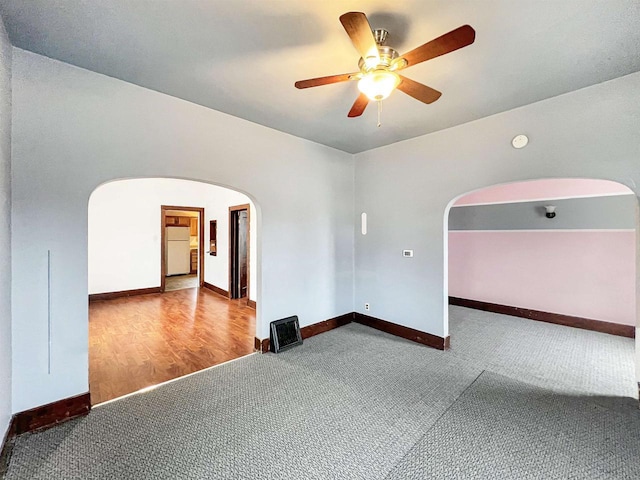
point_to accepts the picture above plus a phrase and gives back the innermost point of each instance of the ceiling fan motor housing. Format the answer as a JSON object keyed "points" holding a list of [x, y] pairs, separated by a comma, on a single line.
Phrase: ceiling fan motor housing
{"points": [[387, 56]]}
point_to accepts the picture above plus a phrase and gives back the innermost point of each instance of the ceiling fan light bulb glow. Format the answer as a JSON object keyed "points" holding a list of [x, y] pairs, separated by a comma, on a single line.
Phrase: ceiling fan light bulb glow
{"points": [[370, 63], [379, 84]]}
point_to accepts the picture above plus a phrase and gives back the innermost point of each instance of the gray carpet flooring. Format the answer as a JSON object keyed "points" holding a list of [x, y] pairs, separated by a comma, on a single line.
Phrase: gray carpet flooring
{"points": [[513, 398]]}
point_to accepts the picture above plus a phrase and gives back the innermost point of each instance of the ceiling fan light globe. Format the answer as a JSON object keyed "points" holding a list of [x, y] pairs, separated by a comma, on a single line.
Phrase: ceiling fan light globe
{"points": [[379, 84]]}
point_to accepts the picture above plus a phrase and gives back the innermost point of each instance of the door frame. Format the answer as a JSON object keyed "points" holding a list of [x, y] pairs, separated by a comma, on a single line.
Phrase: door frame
{"points": [[163, 266], [232, 209]]}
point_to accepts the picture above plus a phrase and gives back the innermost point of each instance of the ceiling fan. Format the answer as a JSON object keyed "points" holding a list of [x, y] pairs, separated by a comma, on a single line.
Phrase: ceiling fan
{"points": [[379, 63]]}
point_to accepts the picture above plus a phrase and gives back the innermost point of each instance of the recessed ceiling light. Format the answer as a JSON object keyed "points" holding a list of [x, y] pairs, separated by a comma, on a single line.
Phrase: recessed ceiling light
{"points": [[520, 141]]}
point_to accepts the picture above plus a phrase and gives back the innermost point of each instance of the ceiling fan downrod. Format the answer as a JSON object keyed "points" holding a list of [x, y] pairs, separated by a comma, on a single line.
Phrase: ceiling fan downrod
{"points": [[380, 36]]}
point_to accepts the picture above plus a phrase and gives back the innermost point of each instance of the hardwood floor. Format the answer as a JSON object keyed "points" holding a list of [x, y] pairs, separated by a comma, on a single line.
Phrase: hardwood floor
{"points": [[140, 341]]}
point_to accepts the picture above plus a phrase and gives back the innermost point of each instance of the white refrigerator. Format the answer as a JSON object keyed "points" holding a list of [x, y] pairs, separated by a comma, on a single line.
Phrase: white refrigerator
{"points": [[178, 251]]}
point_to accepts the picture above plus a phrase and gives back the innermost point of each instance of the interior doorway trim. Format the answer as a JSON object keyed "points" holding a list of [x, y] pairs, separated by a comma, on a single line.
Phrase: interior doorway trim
{"points": [[233, 209], [163, 253]]}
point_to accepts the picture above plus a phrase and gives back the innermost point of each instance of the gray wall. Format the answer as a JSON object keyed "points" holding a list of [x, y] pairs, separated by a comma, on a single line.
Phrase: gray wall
{"points": [[5, 230], [406, 188], [74, 130], [580, 263], [593, 213]]}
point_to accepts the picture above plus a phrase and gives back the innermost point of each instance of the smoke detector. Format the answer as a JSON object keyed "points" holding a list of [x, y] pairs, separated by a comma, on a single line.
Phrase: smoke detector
{"points": [[520, 141]]}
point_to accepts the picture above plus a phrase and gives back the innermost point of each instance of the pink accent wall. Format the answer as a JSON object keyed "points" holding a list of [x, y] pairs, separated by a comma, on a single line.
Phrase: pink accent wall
{"points": [[542, 190], [581, 273]]}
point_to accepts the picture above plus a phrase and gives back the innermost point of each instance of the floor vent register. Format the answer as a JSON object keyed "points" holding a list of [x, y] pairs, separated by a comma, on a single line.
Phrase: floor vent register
{"points": [[285, 334]]}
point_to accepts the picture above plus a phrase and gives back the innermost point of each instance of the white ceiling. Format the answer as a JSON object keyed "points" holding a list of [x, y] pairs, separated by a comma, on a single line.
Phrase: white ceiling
{"points": [[242, 57]]}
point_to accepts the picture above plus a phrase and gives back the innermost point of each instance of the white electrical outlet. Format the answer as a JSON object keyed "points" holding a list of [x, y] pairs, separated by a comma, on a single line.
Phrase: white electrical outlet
{"points": [[366, 306], [407, 253]]}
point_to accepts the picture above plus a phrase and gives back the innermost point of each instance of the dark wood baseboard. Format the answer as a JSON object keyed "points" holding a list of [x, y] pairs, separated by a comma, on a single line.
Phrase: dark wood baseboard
{"points": [[124, 293], [40, 418], [52, 414], [261, 346], [557, 318], [326, 325], [392, 328], [225, 293], [310, 330], [215, 289], [388, 327], [404, 332]]}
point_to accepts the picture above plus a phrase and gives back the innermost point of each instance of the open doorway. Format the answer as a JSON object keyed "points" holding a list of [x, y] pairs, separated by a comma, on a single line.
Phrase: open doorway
{"points": [[541, 279], [239, 242], [182, 240], [142, 330]]}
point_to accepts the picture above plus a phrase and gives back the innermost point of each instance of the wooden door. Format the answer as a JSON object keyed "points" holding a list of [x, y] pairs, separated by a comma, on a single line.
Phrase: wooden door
{"points": [[243, 227], [239, 252]]}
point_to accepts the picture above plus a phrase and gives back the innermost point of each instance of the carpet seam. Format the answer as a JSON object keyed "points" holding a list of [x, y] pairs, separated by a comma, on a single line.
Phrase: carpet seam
{"points": [[433, 424]]}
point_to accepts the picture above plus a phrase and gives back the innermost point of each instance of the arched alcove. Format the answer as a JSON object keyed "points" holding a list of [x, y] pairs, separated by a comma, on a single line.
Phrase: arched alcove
{"points": [[507, 252], [128, 256]]}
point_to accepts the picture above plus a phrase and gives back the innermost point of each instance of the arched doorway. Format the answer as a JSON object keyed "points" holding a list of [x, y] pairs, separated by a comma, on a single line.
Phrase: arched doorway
{"points": [[149, 321], [558, 251]]}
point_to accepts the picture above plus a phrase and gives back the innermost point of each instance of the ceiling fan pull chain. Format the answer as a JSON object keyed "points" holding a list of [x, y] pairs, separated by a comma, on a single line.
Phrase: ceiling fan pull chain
{"points": [[379, 112]]}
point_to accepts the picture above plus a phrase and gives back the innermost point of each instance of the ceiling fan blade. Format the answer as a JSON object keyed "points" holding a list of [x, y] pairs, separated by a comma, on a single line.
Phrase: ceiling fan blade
{"points": [[358, 28], [449, 42], [316, 82], [417, 90], [358, 106]]}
